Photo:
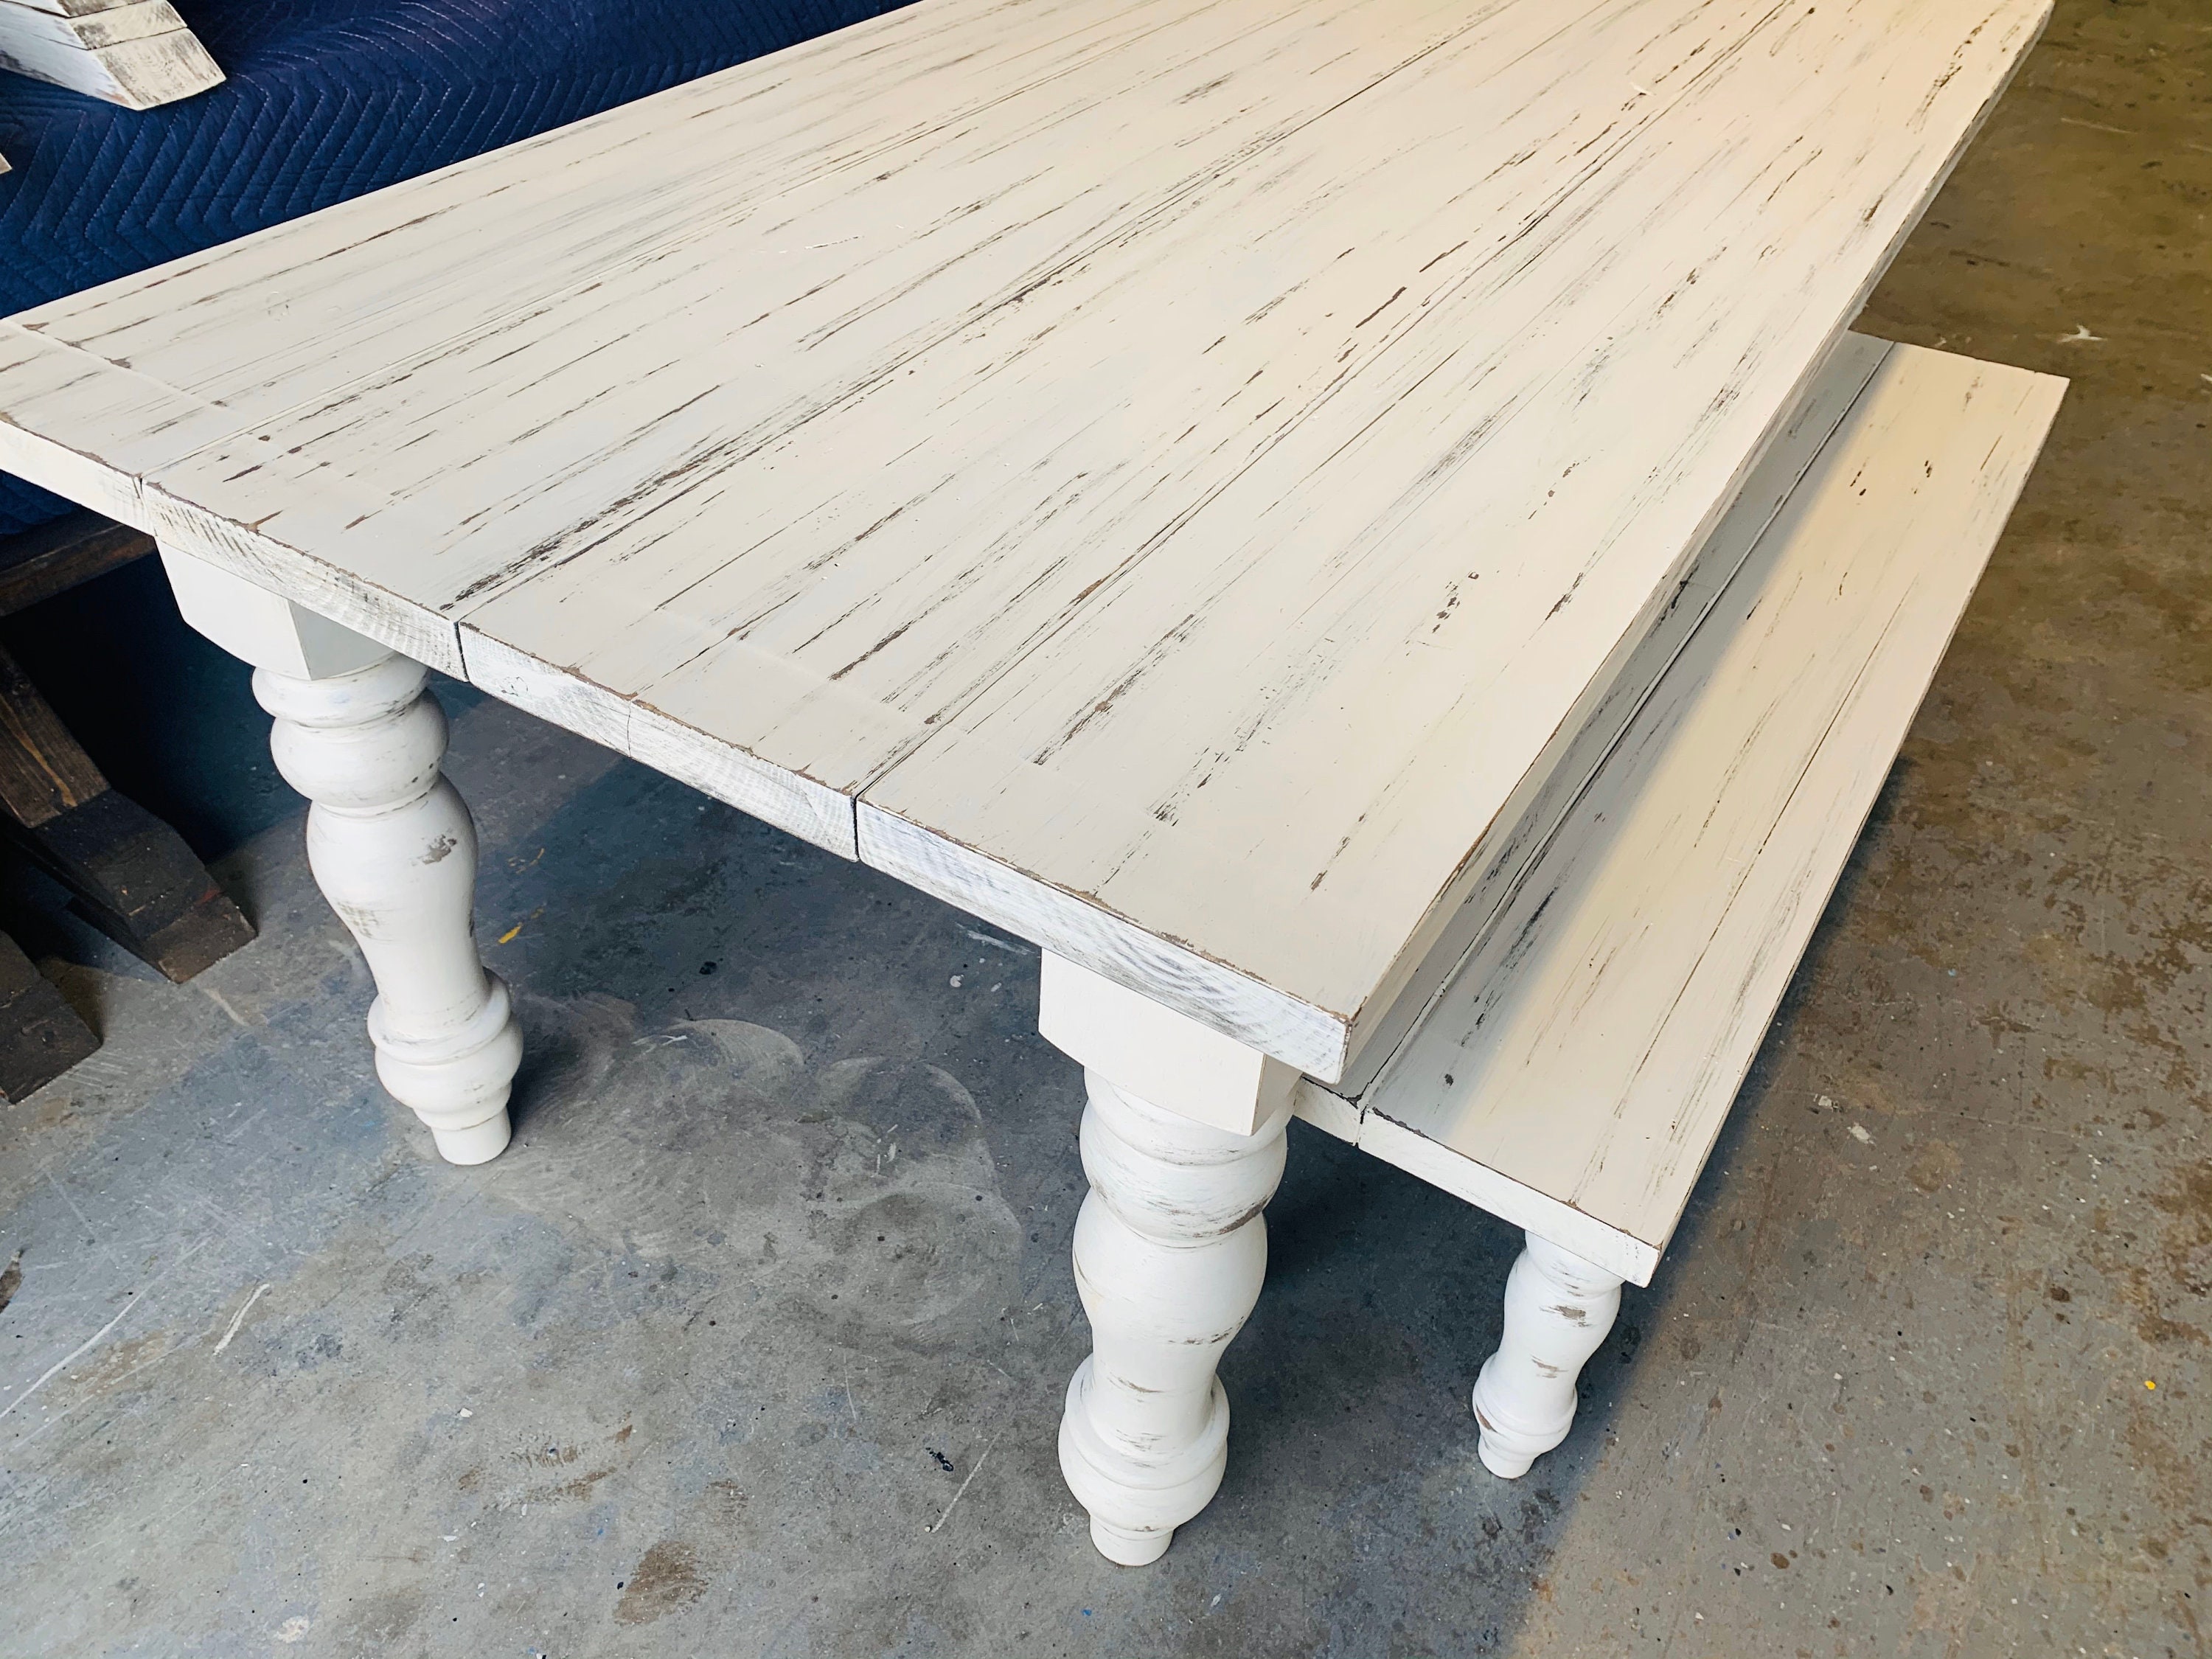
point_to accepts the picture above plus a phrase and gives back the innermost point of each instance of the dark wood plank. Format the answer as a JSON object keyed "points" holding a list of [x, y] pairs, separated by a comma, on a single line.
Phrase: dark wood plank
{"points": [[132, 876], [43, 772], [36, 564], [136, 881], [41, 1035]]}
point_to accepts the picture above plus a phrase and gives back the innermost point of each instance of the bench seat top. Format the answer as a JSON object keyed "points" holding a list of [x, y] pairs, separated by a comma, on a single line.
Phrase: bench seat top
{"points": [[1576, 1071], [1160, 474]]}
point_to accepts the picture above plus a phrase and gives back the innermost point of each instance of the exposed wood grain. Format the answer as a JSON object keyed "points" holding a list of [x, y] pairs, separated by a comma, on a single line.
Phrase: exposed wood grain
{"points": [[1581, 1061], [51, 558], [1185, 462], [42, 770]]}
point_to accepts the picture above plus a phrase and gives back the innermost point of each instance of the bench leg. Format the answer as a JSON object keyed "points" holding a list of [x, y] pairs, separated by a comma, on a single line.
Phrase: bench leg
{"points": [[1557, 1310], [132, 875], [1170, 1252], [41, 1035], [391, 845]]}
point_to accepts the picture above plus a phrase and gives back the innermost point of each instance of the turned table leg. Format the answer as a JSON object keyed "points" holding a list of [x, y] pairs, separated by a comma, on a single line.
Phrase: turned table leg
{"points": [[391, 845], [1557, 1310], [1169, 1251], [393, 850]]}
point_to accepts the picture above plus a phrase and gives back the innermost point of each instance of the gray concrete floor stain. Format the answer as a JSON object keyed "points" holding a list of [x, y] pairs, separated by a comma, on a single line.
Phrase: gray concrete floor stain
{"points": [[753, 1343]]}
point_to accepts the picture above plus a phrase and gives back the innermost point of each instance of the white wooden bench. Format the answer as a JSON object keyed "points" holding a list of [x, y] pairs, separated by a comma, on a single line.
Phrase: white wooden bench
{"points": [[1174, 478], [138, 53], [1574, 1071]]}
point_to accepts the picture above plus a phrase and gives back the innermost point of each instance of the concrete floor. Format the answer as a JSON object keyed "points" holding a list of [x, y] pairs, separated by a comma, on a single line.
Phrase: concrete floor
{"points": [[700, 1366]]}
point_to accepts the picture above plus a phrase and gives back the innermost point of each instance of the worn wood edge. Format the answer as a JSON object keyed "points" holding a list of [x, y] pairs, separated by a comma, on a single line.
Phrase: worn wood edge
{"points": [[1477, 1183], [109, 25], [1232, 1004], [337, 596], [1126, 954], [92, 480], [83, 479], [161, 69], [139, 74], [1825, 873], [73, 8], [1381, 997], [813, 812], [1375, 1009], [1326, 1110], [1408, 1148], [1546, 797]]}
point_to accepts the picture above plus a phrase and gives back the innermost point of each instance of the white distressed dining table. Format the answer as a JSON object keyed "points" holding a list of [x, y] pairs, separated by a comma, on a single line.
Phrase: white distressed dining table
{"points": [[1170, 477]]}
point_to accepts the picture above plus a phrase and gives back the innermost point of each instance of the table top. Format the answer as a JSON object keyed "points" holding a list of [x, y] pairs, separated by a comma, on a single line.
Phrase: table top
{"points": [[1574, 1076], [1162, 474]]}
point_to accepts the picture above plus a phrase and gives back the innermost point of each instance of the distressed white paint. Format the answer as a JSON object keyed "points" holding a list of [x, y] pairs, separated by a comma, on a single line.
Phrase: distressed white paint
{"points": [[1183, 462], [391, 844], [1327, 1111], [262, 628], [1151, 1051], [1468, 1178], [107, 25], [137, 53], [1171, 1251], [1548, 792], [1557, 1310], [76, 8], [683, 752], [1576, 1071]]}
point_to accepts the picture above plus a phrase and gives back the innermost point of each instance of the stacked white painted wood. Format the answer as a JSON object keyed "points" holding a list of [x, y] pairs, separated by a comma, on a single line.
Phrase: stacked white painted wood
{"points": [[138, 53], [1166, 475], [1575, 1072]]}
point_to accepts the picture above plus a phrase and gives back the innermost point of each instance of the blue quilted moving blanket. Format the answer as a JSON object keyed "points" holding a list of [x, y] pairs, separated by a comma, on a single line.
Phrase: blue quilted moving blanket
{"points": [[326, 100]]}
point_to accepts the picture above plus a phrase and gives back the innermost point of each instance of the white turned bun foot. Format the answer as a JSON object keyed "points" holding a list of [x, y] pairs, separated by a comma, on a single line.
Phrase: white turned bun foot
{"points": [[456, 1079], [1125, 1546], [1504, 1464], [1507, 1451], [479, 1143], [1136, 1504]]}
